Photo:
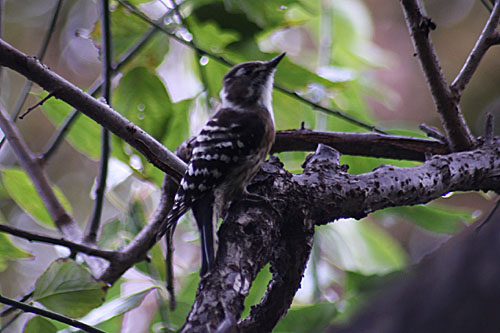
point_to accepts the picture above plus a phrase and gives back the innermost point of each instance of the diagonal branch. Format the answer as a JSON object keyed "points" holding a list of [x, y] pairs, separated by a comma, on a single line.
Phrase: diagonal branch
{"points": [[100, 112], [488, 38], [457, 132], [30, 163]]}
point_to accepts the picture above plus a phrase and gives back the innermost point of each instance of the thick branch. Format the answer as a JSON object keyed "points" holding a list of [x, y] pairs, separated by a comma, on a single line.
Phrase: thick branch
{"points": [[74, 247], [29, 162], [323, 193], [456, 129], [98, 111], [485, 41], [364, 144]]}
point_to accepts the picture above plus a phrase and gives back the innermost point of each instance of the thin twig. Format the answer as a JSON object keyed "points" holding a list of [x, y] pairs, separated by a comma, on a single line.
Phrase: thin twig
{"points": [[23, 298], [106, 55], [124, 59], [30, 163], [31, 108], [224, 61], [74, 247], [49, 314], [419, 26], [484, 42], [432, 132], [489, 128]]}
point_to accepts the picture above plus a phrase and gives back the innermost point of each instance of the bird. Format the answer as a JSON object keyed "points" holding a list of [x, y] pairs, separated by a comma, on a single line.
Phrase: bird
{"points": [[228, 152]]}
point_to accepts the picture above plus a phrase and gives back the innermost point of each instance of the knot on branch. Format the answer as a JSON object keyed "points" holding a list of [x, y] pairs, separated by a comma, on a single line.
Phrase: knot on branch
{"points": [[325, 158], [426, 25]]}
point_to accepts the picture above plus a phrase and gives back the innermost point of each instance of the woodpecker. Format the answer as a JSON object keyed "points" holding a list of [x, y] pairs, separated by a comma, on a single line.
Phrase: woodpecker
{"points": [[228, 152]]}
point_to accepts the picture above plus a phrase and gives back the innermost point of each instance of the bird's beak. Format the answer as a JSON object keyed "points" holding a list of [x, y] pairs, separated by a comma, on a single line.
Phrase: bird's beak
{"points": [[274, 62]]}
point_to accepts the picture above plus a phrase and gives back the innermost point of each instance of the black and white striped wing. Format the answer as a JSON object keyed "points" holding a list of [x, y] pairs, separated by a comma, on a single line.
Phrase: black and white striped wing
{"points": [[224, 146]]}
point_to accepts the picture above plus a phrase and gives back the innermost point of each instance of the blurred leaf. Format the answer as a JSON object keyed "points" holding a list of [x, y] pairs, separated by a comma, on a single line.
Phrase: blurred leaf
{"points": [[115, 308], [361, 246], [8, 251], [310, 318], [85, 134], [39, 324], [23, 192], [209, 36], [257, 290], [436, 218], [265, 13], [68, 288], [142, 98]]}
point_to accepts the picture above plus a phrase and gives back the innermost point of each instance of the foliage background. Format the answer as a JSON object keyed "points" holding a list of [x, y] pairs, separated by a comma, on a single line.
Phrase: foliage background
{"points": [[346, 54]]}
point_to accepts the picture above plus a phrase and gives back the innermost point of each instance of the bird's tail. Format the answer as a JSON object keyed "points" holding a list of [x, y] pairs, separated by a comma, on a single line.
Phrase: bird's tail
{"points": [[203, 213]]}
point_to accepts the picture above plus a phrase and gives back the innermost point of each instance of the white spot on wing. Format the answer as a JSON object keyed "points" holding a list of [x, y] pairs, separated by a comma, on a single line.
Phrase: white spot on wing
{"points": [[225, 158], [240, 144]]}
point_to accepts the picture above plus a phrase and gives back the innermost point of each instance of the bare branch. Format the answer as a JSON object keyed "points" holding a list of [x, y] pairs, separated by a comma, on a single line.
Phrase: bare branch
{"points": [[30, 163], [30, 67], [488, 38], [457, 132], [364, 144], [74, 247], [49, 314]]}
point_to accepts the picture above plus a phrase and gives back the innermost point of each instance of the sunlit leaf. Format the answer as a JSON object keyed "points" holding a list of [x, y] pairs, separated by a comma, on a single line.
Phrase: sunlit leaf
{"points": [[68, 288], [23, 192], [259, 287]]}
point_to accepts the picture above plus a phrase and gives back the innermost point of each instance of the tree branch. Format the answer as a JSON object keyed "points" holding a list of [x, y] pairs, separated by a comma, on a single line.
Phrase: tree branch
{"points": [[364, 144], [487, 39], [74, 247], [49, 314], [30, 67], [29, 162], [323, 193], [457, 132]]}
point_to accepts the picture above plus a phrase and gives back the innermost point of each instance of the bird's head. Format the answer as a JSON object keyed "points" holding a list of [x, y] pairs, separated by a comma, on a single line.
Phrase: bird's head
{"points": [[249, 84]]}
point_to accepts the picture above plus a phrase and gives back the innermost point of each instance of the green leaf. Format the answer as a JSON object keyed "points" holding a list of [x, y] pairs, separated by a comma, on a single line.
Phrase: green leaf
{"points": [[8, 251], [361, 246], [22, 191], [68, 288], [265, 13], [259, 287], [142, 98], [39, 324], [209, 36], [433, 217], [307, 318], [85, 134], [115, 308]]}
